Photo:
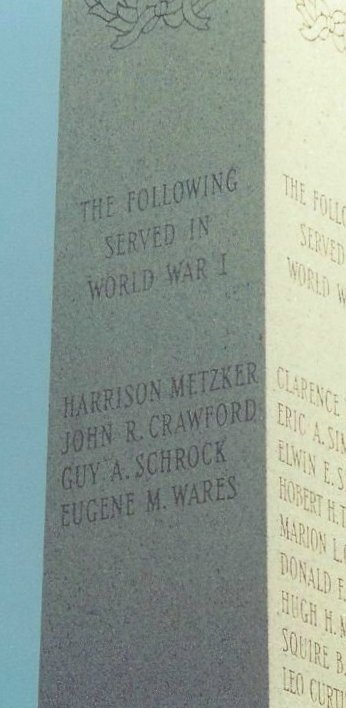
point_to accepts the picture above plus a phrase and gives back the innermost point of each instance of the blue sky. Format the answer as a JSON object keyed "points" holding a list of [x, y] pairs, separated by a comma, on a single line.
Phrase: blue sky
{"points": [[29, 72]]}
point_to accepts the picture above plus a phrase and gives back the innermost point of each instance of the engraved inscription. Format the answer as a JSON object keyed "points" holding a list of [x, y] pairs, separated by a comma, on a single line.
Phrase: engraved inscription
{"points": [[320, 236], [130, 234], [311, 525], [308, 453], [178, 439]]}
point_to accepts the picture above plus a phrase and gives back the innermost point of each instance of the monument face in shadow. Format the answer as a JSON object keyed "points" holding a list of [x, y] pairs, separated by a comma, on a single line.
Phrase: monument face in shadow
{"points": [[188, 547]]}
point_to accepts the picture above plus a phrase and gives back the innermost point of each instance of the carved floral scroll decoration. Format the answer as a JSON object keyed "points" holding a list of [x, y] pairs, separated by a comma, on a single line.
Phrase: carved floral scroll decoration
{"points": [[129, 19], [322, 23]]}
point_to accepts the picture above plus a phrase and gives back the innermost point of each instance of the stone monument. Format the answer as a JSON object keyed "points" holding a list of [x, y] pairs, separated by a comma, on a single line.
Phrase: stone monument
{"points": [[195, 542]]}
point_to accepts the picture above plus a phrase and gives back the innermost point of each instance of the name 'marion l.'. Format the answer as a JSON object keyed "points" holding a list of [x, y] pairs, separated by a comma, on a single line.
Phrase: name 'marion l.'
{"points": [[195, 539]]}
